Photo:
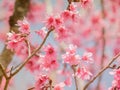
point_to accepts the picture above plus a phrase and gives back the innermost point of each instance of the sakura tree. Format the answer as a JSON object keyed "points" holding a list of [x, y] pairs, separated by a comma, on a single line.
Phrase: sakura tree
{"points": [[63, 44]]}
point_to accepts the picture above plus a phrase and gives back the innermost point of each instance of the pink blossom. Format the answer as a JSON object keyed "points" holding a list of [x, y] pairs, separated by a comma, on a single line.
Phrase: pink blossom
{"points": [[50, 58], [14, 40], [14, 37], [21, 49], [41, 81], [33, 64], [50, 51], [50, 22], [3, 37], [72, 7], [62, 33], [49, 64], [68, 81], [83, 73], [116, 81], [58, 21], [71, 57], [87, 57], [66, 15], [59, 86], [86, 3], [42, 33], [24, 26], [75, 17], [36, 10], [72, 49]]}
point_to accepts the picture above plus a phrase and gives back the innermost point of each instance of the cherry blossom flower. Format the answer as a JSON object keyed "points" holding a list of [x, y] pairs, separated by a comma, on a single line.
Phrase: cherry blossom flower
{"points": [[116, 81], [42, 33], [72, 49], [24, 26], [58, 21], [14, 40], [86, 3], [83, 73], [71, 57], [87, 57], [50, 51], [62, 33], [72, 7], [41, 81], [50, 22], [49, 64], [59, 86], [68, 81], [3, 37], [49, 61], [66, 15], [33, 65]]}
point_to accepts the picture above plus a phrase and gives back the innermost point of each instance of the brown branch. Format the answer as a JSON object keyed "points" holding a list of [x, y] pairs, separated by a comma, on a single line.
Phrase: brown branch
{"points": [[6, 77], [32, 88], [70, 1], [75, 78], [3, 71], [105, 68], [29, 48]]}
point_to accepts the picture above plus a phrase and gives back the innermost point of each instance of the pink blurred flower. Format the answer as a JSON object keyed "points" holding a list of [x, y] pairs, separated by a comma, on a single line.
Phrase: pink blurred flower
{"points": [[71, 57], [50, 58], [58, 21], [62, 33], [87, 57], [66, 15], [14, 40], [49, 64], [72, 7], [42, 33], [68, 81], [116, 81], [41, 81], [50, 22], [50, 51], [83, 73], [59, 86], [24, 26], [86, 3]]}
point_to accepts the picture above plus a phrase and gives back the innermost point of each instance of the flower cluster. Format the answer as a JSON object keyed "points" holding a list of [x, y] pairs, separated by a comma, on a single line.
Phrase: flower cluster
{"points": [[116, 81], [41, 82], [17, 41], [24, 26], [74, 59]]}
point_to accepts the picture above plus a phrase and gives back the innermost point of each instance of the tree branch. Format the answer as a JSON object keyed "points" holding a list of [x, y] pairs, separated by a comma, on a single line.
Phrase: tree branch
{"points": [[105, 68], [75, 78]]}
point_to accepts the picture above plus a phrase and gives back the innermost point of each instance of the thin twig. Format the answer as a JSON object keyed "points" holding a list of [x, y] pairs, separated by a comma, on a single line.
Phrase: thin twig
{"points": [[29, 48], [50, 82], [32, 88], [75, 78], [3, 71], [105, 68]]}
